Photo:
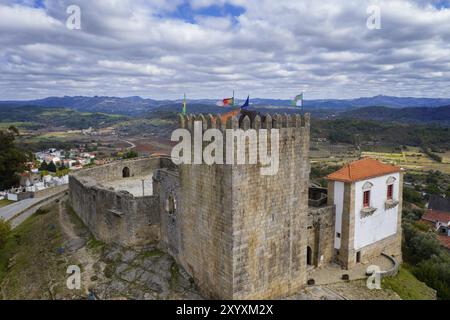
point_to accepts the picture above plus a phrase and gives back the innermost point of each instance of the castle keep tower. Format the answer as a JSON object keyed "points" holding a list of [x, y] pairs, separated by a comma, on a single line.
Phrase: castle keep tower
{"points": [[241, 234]]}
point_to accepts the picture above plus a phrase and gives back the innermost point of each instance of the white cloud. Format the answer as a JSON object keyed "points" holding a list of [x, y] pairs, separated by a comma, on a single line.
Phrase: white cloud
{"points": [[273, 49]]}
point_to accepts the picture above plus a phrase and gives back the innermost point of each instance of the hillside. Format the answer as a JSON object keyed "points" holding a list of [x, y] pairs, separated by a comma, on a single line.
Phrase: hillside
{"points": [[373, 133], [138, 105], [411, 115], [35, 117]]}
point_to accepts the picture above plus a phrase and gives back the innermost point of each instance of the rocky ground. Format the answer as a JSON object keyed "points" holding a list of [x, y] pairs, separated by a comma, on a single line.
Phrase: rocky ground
{"points": [[42, 249], [37, 256]]}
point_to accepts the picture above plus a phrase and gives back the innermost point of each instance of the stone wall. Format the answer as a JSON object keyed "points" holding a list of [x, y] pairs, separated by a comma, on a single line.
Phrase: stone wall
{"points": [[114, 170], [167, 186], [50, 191], [244, 234], [391, 246], [112, 216], [321, 223]]}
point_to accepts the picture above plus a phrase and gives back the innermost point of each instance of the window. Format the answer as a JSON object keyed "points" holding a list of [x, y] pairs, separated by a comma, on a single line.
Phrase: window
{"points": [[126, 172], [171, 204], [338, 235], [390, 191], [358, 257], [309, 256], [366, 199]]}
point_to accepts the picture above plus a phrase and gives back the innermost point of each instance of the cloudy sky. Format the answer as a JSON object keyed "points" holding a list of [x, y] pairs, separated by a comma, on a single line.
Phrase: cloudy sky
{"points": [[206, 48]]}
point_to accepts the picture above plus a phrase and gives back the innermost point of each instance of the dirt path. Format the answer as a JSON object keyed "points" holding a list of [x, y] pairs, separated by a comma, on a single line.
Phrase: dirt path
{"points": [[78, 245]]}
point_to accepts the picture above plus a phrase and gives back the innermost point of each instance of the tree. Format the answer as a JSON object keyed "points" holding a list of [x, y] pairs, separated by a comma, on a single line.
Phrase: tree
{"points": [[131, 154], [52, 167], [12, 159], [44, 166]]}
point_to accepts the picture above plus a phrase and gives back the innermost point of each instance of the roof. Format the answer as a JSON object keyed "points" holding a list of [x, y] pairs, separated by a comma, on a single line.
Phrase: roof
{"points": [[435, 216], [439, 203], [445, 241], [363, 169], [224, 117]]}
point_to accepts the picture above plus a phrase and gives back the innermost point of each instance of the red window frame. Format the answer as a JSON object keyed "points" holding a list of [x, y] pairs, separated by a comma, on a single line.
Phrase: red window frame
{"points": [[390, 192], [366, 199]]}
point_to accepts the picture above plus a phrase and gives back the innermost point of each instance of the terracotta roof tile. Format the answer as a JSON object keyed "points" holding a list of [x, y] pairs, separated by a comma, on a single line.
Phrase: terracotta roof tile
{"points": [[435, 215], [224, 117], [363, 169], [445, 240]]}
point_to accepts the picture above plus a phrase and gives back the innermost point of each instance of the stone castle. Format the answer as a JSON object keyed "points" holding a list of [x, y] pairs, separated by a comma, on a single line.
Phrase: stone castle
{"points": [[240, 234]]}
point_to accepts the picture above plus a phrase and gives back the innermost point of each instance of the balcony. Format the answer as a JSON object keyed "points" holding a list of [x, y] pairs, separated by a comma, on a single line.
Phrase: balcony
{"points": [[391, 203], [368, 211]]}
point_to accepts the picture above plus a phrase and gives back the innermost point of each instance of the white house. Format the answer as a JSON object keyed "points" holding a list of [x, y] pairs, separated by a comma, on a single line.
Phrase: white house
{"points": [[368, 197]]}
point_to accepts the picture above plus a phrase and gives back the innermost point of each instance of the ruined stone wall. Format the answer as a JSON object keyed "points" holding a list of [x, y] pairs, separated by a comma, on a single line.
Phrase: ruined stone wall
{"points": [[321, 230], [113, 170], [166, 184], [244, 234], [116, 217]]}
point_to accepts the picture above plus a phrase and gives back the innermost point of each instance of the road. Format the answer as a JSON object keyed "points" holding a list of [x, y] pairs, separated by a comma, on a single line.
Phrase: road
{"points": [[132, 145], [8, 212], [18, 212]]}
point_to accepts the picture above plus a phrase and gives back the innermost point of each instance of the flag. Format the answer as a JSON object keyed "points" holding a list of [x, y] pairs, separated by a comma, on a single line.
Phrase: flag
{"points": [[298, 101], [184, 105], [226, 102], [246, 104]]}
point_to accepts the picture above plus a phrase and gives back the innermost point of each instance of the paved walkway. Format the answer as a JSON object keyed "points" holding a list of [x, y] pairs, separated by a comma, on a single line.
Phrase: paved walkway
{"points": [[332, 273], [19, 211], [133, 185], [10, 211]]}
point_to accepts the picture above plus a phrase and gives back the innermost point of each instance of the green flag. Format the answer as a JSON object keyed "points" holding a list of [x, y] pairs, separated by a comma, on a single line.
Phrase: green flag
{"points": [[298, 100], [184, 105]]}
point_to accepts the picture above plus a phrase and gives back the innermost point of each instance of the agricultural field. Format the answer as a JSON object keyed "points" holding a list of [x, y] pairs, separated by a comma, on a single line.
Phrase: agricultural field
{"points": [[412, 159]]}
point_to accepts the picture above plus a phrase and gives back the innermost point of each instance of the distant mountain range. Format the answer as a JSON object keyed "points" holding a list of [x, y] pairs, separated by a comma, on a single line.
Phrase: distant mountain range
{"points": [[137, 105], [439, 115]]}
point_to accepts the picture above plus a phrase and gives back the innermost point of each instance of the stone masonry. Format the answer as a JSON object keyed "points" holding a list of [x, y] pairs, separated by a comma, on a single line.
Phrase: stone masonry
{"points": [[239, 234]]}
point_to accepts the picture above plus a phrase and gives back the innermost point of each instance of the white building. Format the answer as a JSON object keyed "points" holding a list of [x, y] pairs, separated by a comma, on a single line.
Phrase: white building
{"points": [[368, 198]]}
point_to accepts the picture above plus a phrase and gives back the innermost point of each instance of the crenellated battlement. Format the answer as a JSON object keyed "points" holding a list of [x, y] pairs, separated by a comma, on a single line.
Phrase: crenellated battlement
{"points": [[245, 122]]}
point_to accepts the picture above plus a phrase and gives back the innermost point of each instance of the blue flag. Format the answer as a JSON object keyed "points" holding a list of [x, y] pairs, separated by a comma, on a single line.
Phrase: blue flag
{"points": [[246, 104]]}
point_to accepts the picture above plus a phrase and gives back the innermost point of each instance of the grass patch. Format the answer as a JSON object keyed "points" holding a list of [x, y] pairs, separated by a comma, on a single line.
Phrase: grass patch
{"points": [[5, 202], [95, 244], [408, 287], [31, 266], [153, 253]]}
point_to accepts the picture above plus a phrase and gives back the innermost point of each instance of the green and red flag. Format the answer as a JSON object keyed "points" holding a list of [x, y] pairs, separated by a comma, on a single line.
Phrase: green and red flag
{"points": [[226, 102]]}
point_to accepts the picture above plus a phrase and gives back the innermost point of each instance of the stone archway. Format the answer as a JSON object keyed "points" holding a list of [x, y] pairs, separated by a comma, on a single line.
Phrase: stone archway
{"points": [[126, 172]]}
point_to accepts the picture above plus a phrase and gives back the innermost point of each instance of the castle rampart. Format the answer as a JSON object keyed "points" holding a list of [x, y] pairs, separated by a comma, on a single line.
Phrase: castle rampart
{"points": [[116, 215]]}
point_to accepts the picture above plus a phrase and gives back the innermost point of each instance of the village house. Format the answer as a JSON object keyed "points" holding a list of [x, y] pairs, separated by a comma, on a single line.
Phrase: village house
{"points": [[438, 216]]}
